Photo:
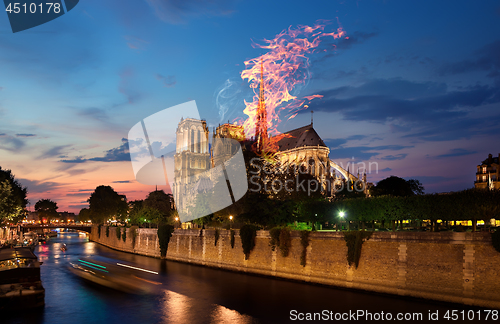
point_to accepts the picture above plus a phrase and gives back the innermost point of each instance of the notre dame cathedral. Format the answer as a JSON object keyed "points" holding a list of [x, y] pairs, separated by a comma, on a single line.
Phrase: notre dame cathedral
{"points": [[195, 155]]}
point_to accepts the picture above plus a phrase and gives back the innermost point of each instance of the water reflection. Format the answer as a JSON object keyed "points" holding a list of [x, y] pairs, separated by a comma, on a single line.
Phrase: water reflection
{"points": [[226, 316], [178, 308], [187, 294]]}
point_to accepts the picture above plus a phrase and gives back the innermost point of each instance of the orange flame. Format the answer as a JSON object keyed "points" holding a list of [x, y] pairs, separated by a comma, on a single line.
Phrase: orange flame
{"points": [[285, 67]]}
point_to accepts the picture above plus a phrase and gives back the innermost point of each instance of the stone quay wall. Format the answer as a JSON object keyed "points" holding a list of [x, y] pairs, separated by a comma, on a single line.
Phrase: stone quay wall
{"points": [[449, 266]]}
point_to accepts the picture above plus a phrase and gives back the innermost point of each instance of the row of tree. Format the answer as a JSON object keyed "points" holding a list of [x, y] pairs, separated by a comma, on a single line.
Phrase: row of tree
{"points": [[106, 204]]}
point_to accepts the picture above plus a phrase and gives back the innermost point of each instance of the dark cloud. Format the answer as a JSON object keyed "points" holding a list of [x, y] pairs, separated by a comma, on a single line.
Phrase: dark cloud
{"points": [[324, 73], [383, 100], [168, 81], [11, 143], [122, 181], [455, 152], [117, 154], [487, 59], [179, 11], [405, 60], [358, 153], [94, 113], [335, 142], [394, 128], [363, 153], [35, 186], [356, 137], [394, 157], [78, 159], [356, 37], [55, 151], [25, 135], [426, 108], [453, 129], [386, 170]]}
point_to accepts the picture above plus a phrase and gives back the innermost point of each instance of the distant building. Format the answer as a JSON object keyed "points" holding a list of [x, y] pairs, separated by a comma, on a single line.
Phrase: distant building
{"points": [[32, 217], [488, 172], [67, 217]]}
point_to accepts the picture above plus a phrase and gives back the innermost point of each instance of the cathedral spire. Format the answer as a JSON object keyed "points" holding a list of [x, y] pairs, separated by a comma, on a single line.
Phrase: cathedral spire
{"points": [[261, 123]]}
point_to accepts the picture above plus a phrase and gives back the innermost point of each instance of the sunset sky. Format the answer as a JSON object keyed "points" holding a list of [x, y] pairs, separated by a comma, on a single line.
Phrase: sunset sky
{"points": [[415, 87]]}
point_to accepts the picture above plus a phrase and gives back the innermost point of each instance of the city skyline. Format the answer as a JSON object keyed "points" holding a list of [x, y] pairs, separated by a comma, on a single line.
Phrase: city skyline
{"points": [[414, 87]]}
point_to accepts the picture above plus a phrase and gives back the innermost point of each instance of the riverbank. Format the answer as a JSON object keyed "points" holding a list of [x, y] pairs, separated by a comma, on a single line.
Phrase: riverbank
{"points": [[447, 266]]}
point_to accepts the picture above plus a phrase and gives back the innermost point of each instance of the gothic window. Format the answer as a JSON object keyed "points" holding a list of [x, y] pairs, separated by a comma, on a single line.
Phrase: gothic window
{"points": [[484, 169], [198, 141], [484, 178], [312, 166], [192, 140]]}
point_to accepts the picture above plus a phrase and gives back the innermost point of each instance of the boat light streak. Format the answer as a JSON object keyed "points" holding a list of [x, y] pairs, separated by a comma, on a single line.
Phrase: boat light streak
{"points": [[124, 265], [96, 265]]}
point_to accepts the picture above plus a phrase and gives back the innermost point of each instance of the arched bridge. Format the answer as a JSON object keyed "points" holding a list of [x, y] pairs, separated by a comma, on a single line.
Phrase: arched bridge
{"points": [[38, 227]]}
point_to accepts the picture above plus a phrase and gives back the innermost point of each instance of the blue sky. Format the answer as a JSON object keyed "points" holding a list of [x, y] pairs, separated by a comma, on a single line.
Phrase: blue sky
{"points": [[415, 87]]}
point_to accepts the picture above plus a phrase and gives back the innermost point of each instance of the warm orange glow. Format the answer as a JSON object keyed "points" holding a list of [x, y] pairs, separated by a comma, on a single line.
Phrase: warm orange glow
{"points": [[283, 69]]}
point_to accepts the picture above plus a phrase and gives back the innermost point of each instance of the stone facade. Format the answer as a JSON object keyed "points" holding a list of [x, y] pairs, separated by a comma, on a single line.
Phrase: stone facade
{"points": [[451, 267], [191, 159]]}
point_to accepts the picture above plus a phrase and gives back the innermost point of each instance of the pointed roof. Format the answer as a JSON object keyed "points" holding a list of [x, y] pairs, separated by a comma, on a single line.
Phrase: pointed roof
{"points": [[303, 136], [495, 160]]}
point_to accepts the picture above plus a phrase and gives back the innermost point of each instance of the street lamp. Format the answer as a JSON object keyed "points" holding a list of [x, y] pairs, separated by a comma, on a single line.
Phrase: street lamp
{"points": [[342, 215], [230, 221]]}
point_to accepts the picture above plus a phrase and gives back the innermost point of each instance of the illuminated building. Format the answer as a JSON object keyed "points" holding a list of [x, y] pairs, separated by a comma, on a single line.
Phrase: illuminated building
{"points": [[488, 172]]}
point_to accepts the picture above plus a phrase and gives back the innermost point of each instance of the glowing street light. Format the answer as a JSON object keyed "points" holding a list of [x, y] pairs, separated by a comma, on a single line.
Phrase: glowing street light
{"points": [[341, 215], [231, 217]]}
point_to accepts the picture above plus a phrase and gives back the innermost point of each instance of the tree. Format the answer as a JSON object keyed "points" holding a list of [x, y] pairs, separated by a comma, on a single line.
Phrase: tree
{"points": [[14, 199], [416, 186], [397, 187], [161, 202], [105, 203], [135, 207], [84, 215], [7, 207], [47, 209]]}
